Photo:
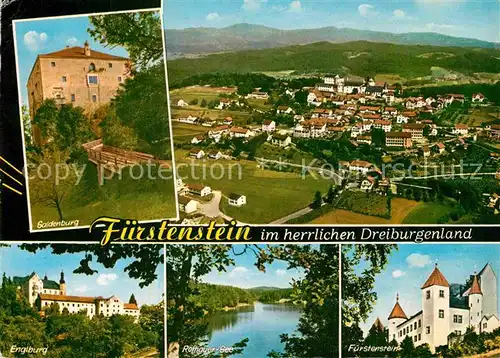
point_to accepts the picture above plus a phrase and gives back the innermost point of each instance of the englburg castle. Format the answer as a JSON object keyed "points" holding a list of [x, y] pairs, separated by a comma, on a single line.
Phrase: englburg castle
{"points": [[42, 293]]}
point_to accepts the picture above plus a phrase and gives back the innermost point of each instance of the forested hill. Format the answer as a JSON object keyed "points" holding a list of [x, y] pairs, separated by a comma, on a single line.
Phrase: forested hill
{"points": [[216, 297], [360, 58], [238, 37]]}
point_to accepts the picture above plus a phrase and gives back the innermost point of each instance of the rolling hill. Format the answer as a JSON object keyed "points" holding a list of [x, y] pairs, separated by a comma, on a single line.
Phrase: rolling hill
{"points": [[360, 58], [204, 40]]}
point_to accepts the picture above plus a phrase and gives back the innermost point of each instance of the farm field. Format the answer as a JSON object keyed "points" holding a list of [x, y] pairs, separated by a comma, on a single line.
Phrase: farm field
{"points": [[198, 92], [183, 132], [270, 194], [480, 115], [401, 208], [239, 117]]}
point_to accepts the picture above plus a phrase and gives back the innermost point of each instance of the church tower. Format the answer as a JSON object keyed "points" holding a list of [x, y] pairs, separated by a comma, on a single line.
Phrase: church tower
{"points": [[396, 317], [475, 304], [436, 309], [62, 284]]}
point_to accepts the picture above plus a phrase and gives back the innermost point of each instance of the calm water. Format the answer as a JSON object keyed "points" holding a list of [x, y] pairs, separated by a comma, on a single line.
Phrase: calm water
{"points": [[262, 324]]}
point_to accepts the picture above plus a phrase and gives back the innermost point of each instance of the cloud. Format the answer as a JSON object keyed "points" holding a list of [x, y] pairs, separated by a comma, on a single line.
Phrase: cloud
{"points": [[366, 10], [213, 16], [280, 272], [252, 5], [418, 260], [398, 273], [72, 41], [398, 13], [82, 288], [105, 278], [433, 27], [238, 271], [295, 6], [35, 41]]}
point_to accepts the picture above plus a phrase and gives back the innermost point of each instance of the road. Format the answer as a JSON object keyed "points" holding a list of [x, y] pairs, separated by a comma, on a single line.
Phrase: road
{"points": [[291, 216], [212, 208]]}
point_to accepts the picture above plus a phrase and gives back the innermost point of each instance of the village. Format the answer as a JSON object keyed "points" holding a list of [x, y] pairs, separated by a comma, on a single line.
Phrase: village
{"points": [[431, 135]]}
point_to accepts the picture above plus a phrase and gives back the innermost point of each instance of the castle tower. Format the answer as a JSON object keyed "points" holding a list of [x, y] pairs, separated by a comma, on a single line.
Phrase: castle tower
{"points": [[62, 284], [396, 317], [436, 310], [86, 49], [475, 304], [488, 284]]}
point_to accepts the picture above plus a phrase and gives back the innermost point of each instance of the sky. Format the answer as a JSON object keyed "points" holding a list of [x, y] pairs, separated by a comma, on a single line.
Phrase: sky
{"points": [[411, 265], [464, 18], [106, 282], [244, 274], [37, 36]]}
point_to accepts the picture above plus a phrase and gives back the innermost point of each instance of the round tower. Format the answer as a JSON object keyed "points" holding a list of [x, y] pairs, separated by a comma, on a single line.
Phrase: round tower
{"points": [[396, 317], [436, 309], [475, 304]]}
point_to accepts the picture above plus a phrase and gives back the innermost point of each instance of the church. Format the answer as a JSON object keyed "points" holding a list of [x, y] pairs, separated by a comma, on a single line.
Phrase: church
{"points": [[42, 293], [448, 308]]}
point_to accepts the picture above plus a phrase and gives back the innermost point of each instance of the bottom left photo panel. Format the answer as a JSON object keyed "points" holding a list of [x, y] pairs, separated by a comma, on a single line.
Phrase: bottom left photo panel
{"points": [[81, 300]]}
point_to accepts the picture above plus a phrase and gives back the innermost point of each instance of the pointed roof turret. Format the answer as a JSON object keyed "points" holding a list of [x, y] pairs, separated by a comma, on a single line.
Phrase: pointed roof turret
{"points": [[436, 278], [378, 324], [475, 288], [397, 311]]}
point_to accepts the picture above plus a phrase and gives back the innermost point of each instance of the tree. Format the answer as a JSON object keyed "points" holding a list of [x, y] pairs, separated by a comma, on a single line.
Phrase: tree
{"points": [[318, 200], [116, 134], [194, 102], [139, 33], [132, 299], [407, 348], [318, 290], [185, 265], [378, 137], [142, 104], [203, 103], [358, 296], [301, 97]]}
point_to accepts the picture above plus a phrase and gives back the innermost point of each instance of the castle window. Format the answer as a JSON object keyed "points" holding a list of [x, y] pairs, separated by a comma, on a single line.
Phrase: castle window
{"points": [[441, 313], [110, 65], [120, 79], [64, 79], [478, 300], [73, 98], [419, 336], [415, 338], [52, 64], [441, 293], [415, 325], [428, 329], [94, 98], [92, 79], [485, 325], [92, 67], [427, 294], [419, 323]]}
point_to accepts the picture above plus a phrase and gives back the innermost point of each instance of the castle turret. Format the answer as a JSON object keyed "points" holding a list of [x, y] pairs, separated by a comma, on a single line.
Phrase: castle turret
{"points": [[436, 309], [86, 48], [475, 304], [396, 317], [62, 284]]}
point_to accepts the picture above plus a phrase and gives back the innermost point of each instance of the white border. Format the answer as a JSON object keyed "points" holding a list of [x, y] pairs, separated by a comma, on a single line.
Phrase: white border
{"points": [[159, 10]]}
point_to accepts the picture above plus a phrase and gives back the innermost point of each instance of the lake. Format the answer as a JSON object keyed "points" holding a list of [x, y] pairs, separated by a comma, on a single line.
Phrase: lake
{"points": [[261, 323]]}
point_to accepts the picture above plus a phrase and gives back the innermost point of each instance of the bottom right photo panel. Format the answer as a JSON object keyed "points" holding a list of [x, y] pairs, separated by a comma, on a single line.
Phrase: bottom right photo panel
{"points": [[420, 300]]}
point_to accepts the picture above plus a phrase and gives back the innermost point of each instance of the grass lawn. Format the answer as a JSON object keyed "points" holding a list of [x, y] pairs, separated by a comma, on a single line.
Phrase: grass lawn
{"points": [[426, 213], [291, 154], [270, 195], [145, 199], [480, 115], [259, 104]]}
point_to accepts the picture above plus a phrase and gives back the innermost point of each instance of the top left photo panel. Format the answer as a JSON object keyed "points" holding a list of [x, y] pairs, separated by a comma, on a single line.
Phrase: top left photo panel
{"points": [[94, 108]]}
